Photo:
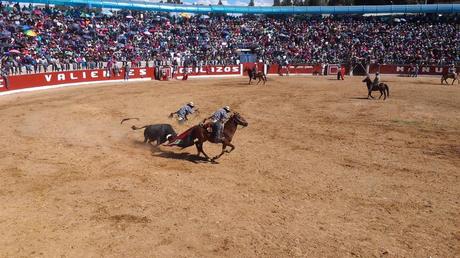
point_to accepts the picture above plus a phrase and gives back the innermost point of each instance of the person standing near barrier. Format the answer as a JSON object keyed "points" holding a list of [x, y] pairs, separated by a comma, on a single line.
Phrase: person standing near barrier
{"points": [[340, 72], [4, 74], [126, 68], [108, 68]]}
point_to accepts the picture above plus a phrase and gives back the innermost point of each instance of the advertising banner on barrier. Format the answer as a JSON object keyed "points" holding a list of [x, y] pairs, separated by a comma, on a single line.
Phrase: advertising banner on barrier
{"points": [[208, 70], [16, 82], [407, 69], [303, 69]]}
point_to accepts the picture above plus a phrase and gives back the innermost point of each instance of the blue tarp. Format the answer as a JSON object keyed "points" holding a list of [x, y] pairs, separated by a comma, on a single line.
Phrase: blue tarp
{"points": [[357, 9]]}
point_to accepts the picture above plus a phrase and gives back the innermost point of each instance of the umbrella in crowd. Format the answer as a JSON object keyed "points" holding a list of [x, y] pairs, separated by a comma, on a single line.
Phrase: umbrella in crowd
{"points": [[30, 33], [37, 12], [107, 13], [129, 17], [186, 15], [14, 51]]}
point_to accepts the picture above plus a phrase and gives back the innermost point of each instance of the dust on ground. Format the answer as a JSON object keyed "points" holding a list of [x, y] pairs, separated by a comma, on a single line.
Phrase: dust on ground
{"points": [[319, 171]]}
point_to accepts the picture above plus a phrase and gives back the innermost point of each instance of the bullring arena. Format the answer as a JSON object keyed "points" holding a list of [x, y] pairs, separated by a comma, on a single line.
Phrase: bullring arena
{"points": [[319, 172]]}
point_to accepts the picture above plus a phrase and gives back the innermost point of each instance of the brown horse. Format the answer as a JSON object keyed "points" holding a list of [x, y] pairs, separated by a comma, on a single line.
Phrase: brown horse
{"points": [[258, 75], [199, 134], [381, 87], [446, 76]]}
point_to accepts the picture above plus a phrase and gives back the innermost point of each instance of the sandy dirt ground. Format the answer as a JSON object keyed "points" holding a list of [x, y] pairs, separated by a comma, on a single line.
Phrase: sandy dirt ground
{"points": [[319, 172]]}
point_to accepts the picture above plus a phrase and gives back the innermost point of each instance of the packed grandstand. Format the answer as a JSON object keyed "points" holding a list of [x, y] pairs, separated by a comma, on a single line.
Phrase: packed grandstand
{"points": [[35, 39]]}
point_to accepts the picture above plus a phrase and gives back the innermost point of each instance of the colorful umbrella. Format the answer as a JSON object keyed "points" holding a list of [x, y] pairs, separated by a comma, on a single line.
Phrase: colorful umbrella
{"points": [[37, 12], [14, 51], [186, 15], [30, 33], [107, 13]]}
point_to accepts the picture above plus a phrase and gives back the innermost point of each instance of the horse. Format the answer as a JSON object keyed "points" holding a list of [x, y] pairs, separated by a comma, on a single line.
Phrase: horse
{"points": [[199, 134], [258, 75], [381, 87], [446, 76]]}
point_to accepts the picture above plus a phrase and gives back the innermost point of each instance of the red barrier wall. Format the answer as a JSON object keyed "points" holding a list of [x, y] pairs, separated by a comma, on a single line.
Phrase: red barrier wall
{"points": [[54, 78], [208, 70], [294, 69], [405, 69]]}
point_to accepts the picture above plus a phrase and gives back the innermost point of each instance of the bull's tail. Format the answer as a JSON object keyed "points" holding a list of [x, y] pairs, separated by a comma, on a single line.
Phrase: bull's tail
{"points": [[126, 119], [137, 128]]}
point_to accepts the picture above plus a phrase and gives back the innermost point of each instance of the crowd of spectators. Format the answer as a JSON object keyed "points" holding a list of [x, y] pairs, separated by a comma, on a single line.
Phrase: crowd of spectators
{"points": [[36, 39]]}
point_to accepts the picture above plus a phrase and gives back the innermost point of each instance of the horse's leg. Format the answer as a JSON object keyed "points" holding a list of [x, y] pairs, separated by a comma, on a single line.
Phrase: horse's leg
{"points": [[381, 93], [200, 149], [222, 152], [231, 146], [453, 81], [370, 94], [258, 81], [225, 143], [197, 148]]}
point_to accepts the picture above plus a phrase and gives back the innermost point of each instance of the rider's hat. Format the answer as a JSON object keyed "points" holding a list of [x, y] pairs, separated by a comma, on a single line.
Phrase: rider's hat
{"points": [[191, 104], [227, 108]]}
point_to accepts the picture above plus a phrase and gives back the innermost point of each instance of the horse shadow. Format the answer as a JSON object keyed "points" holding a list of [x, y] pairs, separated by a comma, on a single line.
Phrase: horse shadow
{"points": [[361, 98], [181, 156]]}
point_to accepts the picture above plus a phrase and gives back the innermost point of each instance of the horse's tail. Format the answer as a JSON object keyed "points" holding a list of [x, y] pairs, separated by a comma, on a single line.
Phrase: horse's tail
{"points": [[126, 119], [388, 90], [137, 128]]}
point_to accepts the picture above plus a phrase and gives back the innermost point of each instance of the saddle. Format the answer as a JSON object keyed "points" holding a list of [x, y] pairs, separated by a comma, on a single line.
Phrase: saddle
{"points": [[208, 126]]}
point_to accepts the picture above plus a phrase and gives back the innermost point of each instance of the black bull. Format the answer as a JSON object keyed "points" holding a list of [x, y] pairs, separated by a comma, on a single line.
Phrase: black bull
{"points": [[158, 133]]}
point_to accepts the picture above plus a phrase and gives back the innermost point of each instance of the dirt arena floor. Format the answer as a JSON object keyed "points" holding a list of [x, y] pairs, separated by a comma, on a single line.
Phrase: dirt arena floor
{"points": [[319, 172]]}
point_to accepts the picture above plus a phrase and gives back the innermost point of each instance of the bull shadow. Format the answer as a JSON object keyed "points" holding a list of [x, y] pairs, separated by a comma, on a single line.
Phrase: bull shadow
{"points": [[181, 156]]}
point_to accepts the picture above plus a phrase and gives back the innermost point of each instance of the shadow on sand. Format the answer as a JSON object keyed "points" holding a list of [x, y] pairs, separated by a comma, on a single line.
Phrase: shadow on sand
{"points": [[181, 156], [366, 98]]}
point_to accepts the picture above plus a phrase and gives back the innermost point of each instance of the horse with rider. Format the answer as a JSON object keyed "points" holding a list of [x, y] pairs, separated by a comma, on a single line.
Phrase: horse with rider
{"points": [[450, 73], [376, 85], [254, 74], [220, 129]]}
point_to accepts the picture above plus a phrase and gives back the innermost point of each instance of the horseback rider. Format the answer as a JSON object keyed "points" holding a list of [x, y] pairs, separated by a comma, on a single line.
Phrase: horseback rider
{"points": [[376, 79], [184, 111], [218, 120], [452, 69], [254, 71]]}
